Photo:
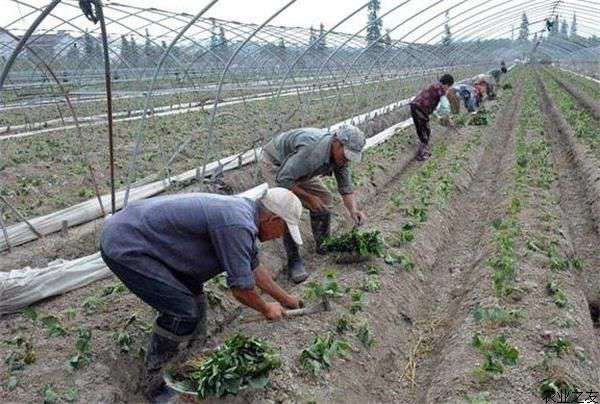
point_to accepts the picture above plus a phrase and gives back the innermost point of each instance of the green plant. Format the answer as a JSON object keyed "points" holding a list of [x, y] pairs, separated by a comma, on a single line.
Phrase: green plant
{"points": [[481, 118], [373, 270], [23, 354], [70, 313], [497, 353], [83, 348], [365, 336], [240, 362], [91, 304], [214, 300], [113, 289], [558, 295], [371, 284], [343, 324], [497, 315], [356, 298], [53, 326], [559, 346], [399, 259], [49, 395], [361, 243], [329, 288], [551, 387], [317, 357], [507, 86], [404, 235], [123, 340], [71, 395], [221, 281], [12, 382]]}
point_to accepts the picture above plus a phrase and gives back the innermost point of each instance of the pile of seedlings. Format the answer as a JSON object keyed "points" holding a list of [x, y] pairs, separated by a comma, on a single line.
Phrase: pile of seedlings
{"points": [[481, 118], [241, 362], [357, 243]]}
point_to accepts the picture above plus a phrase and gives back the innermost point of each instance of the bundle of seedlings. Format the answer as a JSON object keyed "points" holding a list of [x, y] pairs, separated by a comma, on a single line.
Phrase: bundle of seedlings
{"points": [[240, 362], [481, 118], [507, 86], [356, 246]]}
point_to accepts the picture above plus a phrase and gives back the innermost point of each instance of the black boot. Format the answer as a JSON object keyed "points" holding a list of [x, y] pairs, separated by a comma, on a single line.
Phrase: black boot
{"points": [[295, 265], [320, 224], [160, 351], [422, 152]]}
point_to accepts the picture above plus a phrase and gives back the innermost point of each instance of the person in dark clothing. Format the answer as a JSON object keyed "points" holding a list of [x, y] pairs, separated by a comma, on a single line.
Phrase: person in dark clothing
{"points": [[165, 248], [422, 106]]}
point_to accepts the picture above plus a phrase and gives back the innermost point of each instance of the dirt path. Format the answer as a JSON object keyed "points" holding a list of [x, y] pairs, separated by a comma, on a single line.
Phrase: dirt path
{"points": [[577, 217], [583, 100], [454, 269]]}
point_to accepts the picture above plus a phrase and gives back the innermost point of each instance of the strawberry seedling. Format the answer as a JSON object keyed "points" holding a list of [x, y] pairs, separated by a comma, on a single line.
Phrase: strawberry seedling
{"points": [[329, 288], [318, 356], [365, 336], [497, 354]]}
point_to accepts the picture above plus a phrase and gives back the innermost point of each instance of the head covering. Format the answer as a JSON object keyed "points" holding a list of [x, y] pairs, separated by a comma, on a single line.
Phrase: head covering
{"points": [[287, 206], [353, 140]]}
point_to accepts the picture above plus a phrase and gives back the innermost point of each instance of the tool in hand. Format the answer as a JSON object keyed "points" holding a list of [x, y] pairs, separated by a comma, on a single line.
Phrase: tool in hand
{"points": [[323, 305]]}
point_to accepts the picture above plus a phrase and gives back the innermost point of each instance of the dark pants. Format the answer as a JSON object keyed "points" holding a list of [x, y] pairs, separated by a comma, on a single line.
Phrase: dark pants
{"points": [[175, 302], [421, 120]]}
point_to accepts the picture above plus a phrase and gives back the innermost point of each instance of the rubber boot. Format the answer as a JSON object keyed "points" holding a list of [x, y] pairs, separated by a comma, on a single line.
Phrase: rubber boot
{"points": [[159, 352], [295, 265], [320, 224], [421, 152]]}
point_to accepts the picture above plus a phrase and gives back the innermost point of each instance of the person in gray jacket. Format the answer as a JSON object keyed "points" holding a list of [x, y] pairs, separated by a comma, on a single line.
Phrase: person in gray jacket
{"points": [[165, 248], [295, 159]]}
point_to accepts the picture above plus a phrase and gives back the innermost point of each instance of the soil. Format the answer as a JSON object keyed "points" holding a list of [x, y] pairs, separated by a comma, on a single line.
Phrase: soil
{"points": [[421, 319]]}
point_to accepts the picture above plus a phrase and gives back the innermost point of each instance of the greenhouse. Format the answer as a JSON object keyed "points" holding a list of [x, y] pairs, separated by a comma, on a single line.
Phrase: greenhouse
{"points": [[298, 201]]}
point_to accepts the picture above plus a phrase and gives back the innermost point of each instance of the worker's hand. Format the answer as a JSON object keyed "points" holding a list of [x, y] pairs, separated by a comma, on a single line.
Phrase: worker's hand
{"points": [[292, 302], [358, 217], [274, 312]]}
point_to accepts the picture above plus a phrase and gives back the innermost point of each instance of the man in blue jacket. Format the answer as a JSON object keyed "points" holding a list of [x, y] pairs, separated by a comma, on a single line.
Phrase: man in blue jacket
{"points": [[165, 248]]}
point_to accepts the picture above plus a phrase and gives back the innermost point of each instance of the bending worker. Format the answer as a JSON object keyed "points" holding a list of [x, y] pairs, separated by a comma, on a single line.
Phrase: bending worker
{"points": [[423, 105], [165, 248], [295, 159]]}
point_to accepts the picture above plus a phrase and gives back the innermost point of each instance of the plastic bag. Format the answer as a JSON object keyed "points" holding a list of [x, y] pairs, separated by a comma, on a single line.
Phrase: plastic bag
{"points": [[443, 108]]}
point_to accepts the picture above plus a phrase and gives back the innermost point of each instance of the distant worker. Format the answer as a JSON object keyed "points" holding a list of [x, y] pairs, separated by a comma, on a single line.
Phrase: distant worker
{"points": [[467, 94], [165, 248], [295, 159], [503, 67], [422, 106]]}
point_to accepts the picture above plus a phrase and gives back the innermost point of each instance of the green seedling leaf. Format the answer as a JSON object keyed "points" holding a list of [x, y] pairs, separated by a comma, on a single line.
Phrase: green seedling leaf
{"points": [[50, 397], [91, 304], [53, 326], [365, 336], [71, 395], [31, 314], [317, 357], [356, 242], [113, 289], [238, 363]]}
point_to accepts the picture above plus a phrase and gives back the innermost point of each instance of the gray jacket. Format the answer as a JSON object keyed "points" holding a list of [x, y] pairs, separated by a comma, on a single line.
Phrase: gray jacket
{"points": [[302, 154]]}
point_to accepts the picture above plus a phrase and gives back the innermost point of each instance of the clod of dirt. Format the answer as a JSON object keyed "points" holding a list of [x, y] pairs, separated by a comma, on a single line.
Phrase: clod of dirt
{"points": [[594, 306]]}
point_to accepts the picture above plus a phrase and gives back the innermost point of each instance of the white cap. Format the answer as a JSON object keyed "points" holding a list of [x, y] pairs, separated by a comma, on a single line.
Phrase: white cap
{"points": [[287, 206]]}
